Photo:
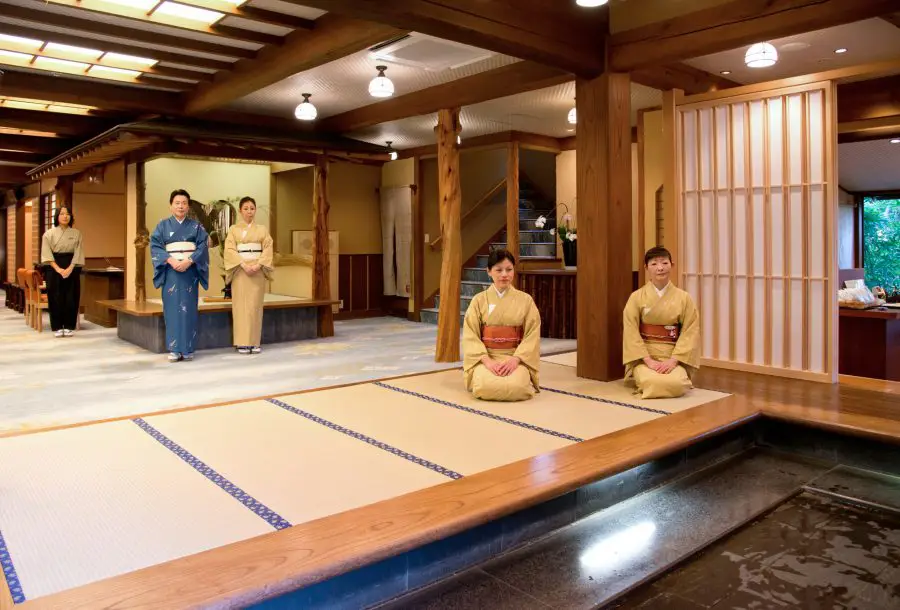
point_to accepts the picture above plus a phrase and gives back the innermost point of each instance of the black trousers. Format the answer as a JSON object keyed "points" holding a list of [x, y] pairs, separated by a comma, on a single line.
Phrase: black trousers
{"points": [[63, 294]]}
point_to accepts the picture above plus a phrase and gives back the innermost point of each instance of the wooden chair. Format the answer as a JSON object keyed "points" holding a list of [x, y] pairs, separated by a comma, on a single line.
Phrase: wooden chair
{"points": [[39, 301], [23, 283]]}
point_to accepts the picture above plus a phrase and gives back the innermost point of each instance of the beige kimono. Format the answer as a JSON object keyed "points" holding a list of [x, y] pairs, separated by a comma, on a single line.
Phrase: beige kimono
{"points": [[516, 315], [250, 244], [662, 328], [62, 240]]}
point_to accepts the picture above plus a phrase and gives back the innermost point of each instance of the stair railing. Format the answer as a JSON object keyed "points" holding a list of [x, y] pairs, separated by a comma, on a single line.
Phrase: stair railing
{"points": [[487, 198]]}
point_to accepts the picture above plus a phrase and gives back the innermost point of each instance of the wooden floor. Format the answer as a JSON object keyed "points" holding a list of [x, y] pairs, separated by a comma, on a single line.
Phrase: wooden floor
{"points": [[258, 568]]}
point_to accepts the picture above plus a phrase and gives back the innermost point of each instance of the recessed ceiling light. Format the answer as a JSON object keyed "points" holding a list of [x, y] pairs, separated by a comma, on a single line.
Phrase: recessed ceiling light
{"points": [[119, 58], [74, 52], [725, 72], [28, 43], [895, 141], [189, 12], [14, 55], [841, 50], [591, 3], [113, 71]]}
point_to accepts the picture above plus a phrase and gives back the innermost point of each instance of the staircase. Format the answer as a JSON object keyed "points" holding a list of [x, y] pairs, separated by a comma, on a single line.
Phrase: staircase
{"points": [[534, 244]]}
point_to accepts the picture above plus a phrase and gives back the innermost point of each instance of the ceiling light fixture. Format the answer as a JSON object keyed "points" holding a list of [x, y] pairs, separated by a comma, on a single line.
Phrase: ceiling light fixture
{"points": [[458, 140], [725, 72], [391, 151], [573, 116], [761, 55], [306, 111], [840, 51], [591, 3], [381, 85], [895, 141]]}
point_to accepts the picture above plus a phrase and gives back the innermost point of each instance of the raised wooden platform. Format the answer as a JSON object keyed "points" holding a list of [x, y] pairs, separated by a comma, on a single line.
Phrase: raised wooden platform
{"points": [[285, 319], [261, 568]]}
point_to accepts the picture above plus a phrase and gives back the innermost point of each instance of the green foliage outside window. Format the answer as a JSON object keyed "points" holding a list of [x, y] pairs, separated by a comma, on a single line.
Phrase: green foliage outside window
{"points": [[881, 238]]}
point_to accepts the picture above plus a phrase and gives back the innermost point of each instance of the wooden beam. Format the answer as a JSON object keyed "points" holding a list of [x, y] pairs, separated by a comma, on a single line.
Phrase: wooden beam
{"points": [[248, 153], [13, 174], [557, 34], [512, 199], [731, 25], [14, 156], [871, 99], [142, 235], [86, 25], [603, 186], [334, 37], [418, 241], [881, 128], [670, 174], [258, 15], [892, 18], [171, 56], [519, 77], [681, 76], [321, 287], [90, 92], [34, 144], [449, 200], [61, 123]]}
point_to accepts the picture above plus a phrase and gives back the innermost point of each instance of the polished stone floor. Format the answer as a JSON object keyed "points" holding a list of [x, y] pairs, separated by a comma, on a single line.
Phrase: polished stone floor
{"points": [[777, 530]]}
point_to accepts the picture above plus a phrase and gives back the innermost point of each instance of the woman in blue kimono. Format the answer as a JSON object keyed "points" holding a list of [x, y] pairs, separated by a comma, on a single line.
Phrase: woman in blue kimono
{"points": [[180, 255]]}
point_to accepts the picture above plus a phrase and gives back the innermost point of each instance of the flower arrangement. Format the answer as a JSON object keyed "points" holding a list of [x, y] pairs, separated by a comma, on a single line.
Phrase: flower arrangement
{"points": [[564, 230]]}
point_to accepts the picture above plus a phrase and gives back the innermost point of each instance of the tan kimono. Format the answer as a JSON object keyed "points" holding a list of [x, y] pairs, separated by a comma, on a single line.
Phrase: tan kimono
{"points": [[250, 244], [662, 328], [502, 327], [59, 240]]}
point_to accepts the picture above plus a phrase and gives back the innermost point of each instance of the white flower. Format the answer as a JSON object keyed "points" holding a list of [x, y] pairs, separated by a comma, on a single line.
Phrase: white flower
{"points": [[551, 231], [540, 222], [571, 237]]}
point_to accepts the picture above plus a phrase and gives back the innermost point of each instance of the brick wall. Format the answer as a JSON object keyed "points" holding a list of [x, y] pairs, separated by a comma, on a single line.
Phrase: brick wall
{"points": [[36, 234], [11, 243]]}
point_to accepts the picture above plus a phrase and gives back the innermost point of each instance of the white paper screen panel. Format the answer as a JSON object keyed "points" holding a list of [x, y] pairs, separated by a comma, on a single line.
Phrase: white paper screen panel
{"points": [[756, 212]]}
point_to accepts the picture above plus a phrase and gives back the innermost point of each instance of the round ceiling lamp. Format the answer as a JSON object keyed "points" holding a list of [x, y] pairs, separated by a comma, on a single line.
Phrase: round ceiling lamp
{"points": [[761, 55], [392, 152], [381, 85], [306, 111], [591, 3]]}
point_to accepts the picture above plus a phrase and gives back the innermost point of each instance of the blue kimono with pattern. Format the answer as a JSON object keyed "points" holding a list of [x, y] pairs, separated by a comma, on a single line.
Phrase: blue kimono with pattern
{"points": [[180, 290]]}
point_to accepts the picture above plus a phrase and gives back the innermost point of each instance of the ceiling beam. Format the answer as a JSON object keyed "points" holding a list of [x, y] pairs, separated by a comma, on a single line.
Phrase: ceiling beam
{"points": [[333, 37], [34, 144], [175, 57], [881, 128], [731, 25], [681, 76], [79, 25], [557, 34], [61, 123], [16, 156], [893, 18], [13, 174], [509, 80], [870, 99], [88, 91]]}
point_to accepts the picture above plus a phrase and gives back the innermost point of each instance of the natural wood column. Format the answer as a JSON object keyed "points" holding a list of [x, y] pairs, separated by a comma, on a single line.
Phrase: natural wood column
{"points": [[321, 288], [670, 177], [141, 237], [449, 198], [512, 199], [603, 164]]}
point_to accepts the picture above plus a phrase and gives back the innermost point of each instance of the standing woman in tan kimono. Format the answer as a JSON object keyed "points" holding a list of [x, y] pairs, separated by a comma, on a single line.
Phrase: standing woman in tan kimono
{"points": [[501, 337], [62, 255], [248, 265], [661, 339]]}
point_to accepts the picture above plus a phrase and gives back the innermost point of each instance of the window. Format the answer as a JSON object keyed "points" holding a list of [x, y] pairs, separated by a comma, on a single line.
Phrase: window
{"points": [[881, 242], [48, 211]]}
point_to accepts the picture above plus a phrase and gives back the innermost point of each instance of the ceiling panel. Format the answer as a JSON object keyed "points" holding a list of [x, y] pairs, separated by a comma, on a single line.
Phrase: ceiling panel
{"points": [[543, 112], [866, 41], [869, 166], [287, 8]]}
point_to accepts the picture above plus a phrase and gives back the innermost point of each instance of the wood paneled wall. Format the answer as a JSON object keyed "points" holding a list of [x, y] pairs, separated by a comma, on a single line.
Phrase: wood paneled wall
{"points": [[757, 205], [360, 285]]}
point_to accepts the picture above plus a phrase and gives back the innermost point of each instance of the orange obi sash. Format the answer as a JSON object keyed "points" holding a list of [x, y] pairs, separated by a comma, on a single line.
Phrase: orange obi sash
{"points": [[660, 333], [502, 337]]}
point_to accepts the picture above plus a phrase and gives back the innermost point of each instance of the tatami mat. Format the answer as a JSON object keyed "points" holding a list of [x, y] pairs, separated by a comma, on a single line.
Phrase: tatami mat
{"points": [[302, 470], [566, 359], [84, 504], [571, 415], [454, 439]]}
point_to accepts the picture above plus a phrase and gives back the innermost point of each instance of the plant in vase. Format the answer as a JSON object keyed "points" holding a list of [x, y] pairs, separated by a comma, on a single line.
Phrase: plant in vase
{"points": [[216, 217], [568, 235]]}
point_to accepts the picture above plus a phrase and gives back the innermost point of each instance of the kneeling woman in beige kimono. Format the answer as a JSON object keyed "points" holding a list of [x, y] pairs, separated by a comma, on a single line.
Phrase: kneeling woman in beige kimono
{"points": [[248, 264], [501, 337], [661, 350]]}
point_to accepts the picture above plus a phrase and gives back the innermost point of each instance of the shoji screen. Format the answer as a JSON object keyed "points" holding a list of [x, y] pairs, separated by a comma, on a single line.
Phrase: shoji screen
{"points": [[756, 219]]}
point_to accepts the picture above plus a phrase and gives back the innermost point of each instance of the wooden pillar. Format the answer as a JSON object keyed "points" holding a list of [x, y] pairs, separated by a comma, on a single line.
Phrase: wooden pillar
{"points": [[670, 177], [449, 198], [63, 190], [418, 253], [603, 164], [141, 236], [321, 288], [512, 199], [642, 200]]}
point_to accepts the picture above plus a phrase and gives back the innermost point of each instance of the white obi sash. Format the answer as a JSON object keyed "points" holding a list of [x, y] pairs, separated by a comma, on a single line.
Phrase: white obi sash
{"points": [[180, 250], [251, 251]]}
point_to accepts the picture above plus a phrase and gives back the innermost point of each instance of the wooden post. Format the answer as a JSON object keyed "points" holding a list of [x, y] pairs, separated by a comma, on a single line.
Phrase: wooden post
{"points": [[418, 254], [63, 190], [641, 199], [670, 177], [141, 237], [512, 199], [603, 163], [321, 288], [449, 198]]}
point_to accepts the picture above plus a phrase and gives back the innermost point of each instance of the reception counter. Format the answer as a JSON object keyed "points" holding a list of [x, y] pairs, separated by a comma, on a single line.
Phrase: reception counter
{"points": [[870, 343], [101, 285]]}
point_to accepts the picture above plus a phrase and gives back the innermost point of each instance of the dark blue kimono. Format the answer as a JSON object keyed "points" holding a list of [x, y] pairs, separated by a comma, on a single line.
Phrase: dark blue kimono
{"points": [[180, 290]]}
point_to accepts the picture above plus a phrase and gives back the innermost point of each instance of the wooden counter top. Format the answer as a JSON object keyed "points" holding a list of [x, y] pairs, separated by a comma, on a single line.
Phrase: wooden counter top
{"points": [[148, 308], [879, 313], [103, 271]]}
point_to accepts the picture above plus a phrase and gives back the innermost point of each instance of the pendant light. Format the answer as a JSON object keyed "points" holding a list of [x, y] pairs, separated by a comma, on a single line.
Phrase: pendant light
{"points": [[573, 116], [381, 85], [761, 55], [391, 151], [306, 111]]}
